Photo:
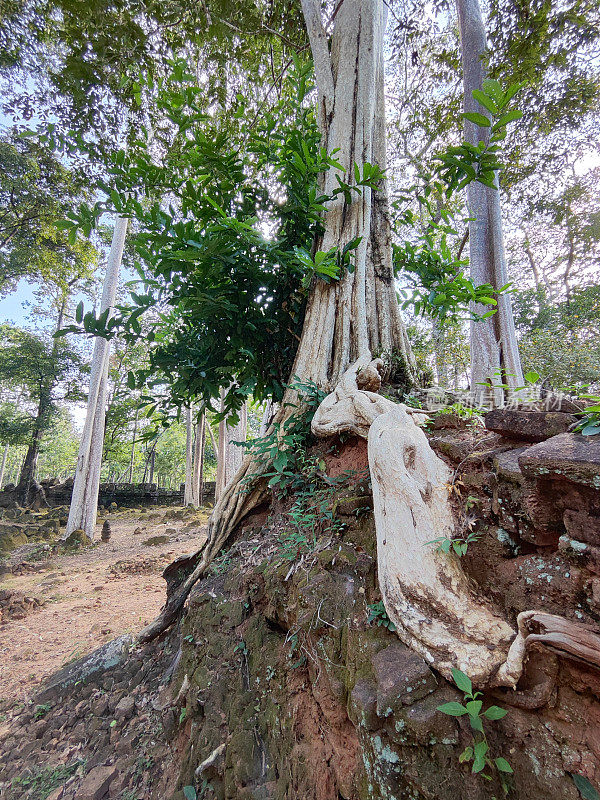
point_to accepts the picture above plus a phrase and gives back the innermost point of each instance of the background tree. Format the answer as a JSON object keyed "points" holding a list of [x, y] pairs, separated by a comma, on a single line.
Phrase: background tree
{"points": [[48, 371]]}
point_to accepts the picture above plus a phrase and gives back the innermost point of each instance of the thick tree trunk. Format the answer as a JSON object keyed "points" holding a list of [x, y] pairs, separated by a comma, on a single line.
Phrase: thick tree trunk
{"points": [[84, 500], [494, 347], [358, 314]]}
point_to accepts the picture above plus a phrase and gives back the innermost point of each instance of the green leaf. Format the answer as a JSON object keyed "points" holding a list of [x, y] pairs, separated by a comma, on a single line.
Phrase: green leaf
{"points": [[502, 765], [495, 712], [485, 100], [462, 681], [466, 755], [591, 429], [478, 119], [475, 723], [452, 709], [532, 376], [479, 752], [585, 788], [474, 707], [510, 116], [492, 88], [189, 793]]}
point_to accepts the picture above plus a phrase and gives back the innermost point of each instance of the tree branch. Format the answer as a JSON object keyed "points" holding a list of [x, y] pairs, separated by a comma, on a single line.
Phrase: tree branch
{"points": [[320, 52]]}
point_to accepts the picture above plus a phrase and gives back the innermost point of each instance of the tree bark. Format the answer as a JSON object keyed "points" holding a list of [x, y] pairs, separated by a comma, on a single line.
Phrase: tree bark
{"points": [[132, 459], [494, 349], [3, 465], [189, 458], [84, 500], [359, 313], [230, 456]]}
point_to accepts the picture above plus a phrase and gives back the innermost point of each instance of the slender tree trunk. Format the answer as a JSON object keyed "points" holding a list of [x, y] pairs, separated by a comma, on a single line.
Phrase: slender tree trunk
{"points": [[494, 347], [152, 458], [439, 345], [3, 465], [189, 458], [133, 448], [84, 500], [198, 460], [201, 466]]}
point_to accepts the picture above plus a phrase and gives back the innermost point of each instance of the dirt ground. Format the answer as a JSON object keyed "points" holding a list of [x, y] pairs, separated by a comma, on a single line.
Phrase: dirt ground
{"points": [[90, 596]]}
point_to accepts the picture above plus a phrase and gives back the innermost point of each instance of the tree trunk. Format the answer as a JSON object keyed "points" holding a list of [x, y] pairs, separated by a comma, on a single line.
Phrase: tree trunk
{"points": [[3, 465], [494, 349], [132, 459], [84, 500], [189, 458], [230, 456], [439, 346], [198, 461], [359, 313]]}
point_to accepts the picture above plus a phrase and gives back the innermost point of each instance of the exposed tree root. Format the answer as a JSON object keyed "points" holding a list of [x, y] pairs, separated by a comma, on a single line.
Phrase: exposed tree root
{"points": [[235, 503], [426, 594]]}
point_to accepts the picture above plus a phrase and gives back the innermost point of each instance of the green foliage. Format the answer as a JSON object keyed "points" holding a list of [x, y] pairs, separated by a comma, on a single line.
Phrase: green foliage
{"points": [[221, 563], [440, 288], [312, 514], [15, 426], [590, 422], [45, 371], [459, 544], [35, 190], [283, 450], [459, 166], [378, 616], [560, 339], [231, 297], [40, 782], [41, 710], [479, 753]]}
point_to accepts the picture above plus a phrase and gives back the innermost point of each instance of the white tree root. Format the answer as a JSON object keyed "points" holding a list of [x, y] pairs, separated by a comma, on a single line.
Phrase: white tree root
{"points": [[426, 594]]}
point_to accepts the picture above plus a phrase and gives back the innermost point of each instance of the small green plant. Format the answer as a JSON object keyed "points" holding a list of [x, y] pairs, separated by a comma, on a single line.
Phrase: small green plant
{"points": [[221, 563], [590, 418], [182, 715], [378, 616], [41, 782], [41, 710], [479, 752], [283, 451], [528, 391], [241, 647], [460, 544]]}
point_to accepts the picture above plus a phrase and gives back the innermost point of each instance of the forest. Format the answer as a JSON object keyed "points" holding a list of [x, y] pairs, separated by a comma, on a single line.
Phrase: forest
{"points": [[299, 400]]}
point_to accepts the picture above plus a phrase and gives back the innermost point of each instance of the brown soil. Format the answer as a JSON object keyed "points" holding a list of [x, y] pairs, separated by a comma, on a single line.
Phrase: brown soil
{"points": [[90, 597]]}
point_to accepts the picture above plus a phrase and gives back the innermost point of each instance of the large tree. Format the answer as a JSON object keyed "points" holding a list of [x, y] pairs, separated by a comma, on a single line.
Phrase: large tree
{"points": [[358, 313]]}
